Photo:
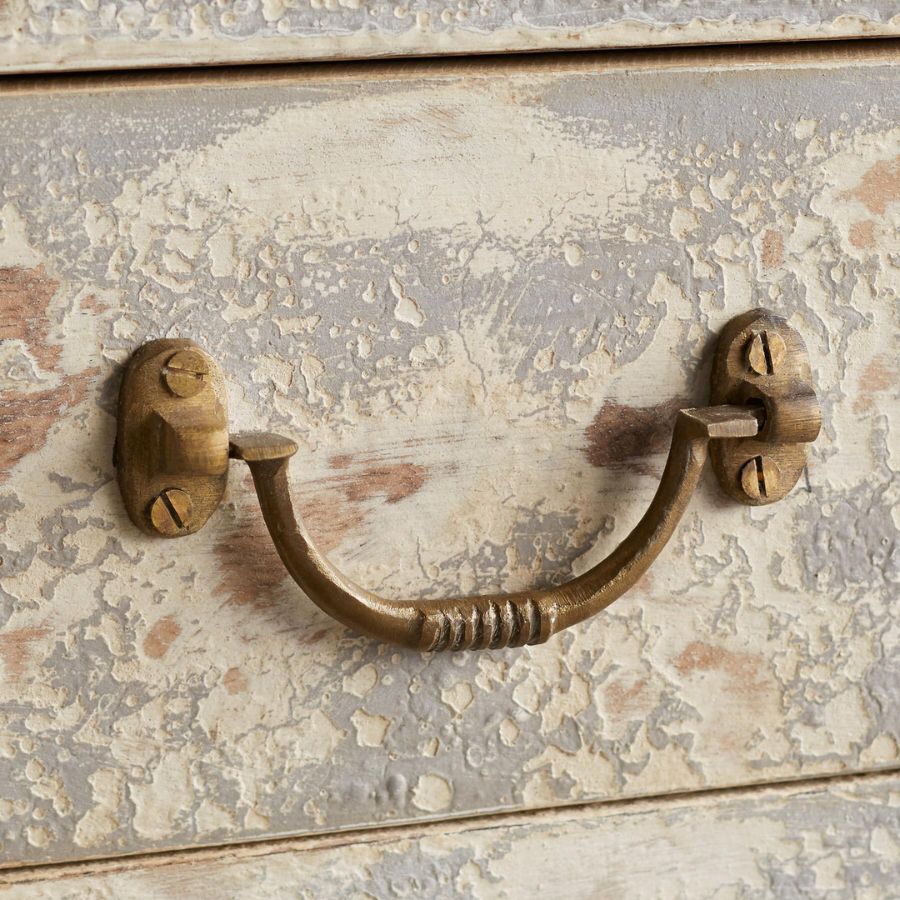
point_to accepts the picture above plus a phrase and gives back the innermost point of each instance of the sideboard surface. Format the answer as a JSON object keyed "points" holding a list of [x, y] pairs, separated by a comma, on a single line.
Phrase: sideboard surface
{"points": [[475, 295], [65, 35], [767, 842]]}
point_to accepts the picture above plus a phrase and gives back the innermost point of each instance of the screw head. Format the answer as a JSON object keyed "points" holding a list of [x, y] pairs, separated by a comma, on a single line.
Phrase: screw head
{"points": [[765, 352], [760, 477], [171, 512], [185, 373]]}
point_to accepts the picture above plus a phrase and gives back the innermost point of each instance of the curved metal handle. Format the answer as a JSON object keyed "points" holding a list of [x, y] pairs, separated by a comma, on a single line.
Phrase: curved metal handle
{"points": [[173, 451], [497, 620]]}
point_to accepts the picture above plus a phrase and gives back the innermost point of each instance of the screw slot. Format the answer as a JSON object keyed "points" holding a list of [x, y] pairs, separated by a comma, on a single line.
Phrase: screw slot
{"points": [[186, 373], [760, 477], [172, 512], [765, 353]]}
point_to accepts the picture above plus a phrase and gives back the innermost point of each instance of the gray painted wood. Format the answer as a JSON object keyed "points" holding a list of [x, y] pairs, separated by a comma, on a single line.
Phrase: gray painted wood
{"points": [[829, 840], [474, 295], [58, 35]]}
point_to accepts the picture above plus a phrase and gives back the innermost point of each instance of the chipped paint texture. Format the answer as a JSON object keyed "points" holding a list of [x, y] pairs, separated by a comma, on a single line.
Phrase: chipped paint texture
{"points": [[385, 270], [79, 34], [835, 840]]}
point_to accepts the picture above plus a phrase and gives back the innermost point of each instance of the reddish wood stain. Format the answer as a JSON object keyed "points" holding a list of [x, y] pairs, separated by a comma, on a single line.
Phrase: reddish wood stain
{"points": [[25, 296], [161, 636], [316, 636], [862, 234], [329, 519], [879, 186], [396, 482], [772, 249], [94, 304], [27, 417], [16, 649], [251, 570], [880, 375], [621, 699], [234, 681], [745, 670]]}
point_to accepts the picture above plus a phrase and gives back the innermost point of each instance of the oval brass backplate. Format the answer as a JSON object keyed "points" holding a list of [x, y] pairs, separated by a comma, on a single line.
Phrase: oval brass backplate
{"points": [[172, 438], [761, 360]]}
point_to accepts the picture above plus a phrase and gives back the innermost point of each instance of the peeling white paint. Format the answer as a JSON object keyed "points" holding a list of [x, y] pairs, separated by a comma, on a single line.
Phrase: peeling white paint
{"points": [[173, 695], [141, 34]]}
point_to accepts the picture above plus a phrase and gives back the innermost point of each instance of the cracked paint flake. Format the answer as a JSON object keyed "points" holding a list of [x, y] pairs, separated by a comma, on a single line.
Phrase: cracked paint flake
{"points": [[179, 694], [432, 793], [370, 730]]}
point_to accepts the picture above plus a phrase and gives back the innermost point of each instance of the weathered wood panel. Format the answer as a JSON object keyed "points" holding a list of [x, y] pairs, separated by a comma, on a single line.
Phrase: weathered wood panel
{"points": [[75, 34], [834, 840], [474, 295]]}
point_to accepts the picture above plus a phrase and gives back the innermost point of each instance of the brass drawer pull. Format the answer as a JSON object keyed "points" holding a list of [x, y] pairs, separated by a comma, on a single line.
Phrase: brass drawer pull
{"points": [[173, 451]]}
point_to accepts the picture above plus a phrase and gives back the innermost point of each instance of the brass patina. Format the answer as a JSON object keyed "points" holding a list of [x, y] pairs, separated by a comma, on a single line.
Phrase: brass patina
{"points": [[760, 360], [173, 450]]}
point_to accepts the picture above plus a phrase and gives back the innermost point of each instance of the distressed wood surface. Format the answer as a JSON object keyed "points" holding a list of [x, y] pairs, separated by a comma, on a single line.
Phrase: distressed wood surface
{"points": [[56, 35], [833, 839], [475, 297]]}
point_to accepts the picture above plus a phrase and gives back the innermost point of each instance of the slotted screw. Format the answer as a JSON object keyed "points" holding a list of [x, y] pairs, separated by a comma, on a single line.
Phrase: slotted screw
{"points": [[172, 512], [760, 477], [765, 352], [185, 373]]}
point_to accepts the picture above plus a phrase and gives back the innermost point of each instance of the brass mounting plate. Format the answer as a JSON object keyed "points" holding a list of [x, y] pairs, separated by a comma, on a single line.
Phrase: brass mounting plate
{"points": [[172, 442], [761, 360]]}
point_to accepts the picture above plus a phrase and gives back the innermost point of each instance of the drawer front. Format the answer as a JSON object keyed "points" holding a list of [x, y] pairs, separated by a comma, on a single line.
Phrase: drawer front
{"points": [[65, 35], [475, 296], [771, 839]]}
